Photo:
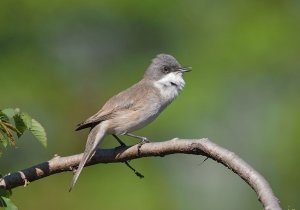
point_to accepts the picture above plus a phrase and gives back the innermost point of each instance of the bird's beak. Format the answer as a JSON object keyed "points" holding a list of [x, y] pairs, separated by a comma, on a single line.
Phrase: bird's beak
{"points": [[184, 69]]}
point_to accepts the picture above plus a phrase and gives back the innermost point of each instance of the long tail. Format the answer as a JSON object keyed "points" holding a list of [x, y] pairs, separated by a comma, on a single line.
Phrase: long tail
{"points": [[94, 138]]}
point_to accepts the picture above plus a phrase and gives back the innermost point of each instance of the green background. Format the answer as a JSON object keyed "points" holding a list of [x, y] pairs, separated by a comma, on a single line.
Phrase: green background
{"points": [[61, 60]]}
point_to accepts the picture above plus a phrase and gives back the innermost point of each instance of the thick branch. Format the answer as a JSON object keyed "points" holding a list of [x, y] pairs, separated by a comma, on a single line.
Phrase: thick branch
{"points": [[197, 147]]}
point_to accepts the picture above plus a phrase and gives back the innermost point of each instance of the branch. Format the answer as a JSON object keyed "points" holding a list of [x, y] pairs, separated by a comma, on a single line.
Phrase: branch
{"points": [[121, 154]]}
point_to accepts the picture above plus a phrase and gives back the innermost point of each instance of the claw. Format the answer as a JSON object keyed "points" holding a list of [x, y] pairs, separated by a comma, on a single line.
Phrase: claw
{"points": [[144, 140]]}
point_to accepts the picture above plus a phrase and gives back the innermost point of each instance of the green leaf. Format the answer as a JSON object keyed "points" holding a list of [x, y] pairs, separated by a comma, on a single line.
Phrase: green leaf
{"points": [[6, 132], [3, 117], [5, 193], [26, 119], [9, 112], [22, 121], [11, 127], [7, 204], [20, 125], [2, 202], [4, 138], [39, 132]]}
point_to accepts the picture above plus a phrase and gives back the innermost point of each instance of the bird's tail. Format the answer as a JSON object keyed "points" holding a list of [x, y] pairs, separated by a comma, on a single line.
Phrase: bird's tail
{"points": [[94, 138]]}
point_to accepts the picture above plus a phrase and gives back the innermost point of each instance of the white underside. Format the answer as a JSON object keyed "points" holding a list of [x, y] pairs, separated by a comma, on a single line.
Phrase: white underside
{"points": [[168, 90]]}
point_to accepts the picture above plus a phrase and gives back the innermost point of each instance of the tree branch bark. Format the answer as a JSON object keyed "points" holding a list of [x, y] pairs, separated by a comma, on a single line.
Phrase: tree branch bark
{"points": [[202, 147]]}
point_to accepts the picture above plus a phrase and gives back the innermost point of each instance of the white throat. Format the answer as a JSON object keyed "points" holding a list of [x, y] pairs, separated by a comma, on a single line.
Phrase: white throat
{"points": [[170, 86]]}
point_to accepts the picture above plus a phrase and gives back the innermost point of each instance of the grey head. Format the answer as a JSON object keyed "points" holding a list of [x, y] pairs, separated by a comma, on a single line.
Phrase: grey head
{"points": [[162, 65]]}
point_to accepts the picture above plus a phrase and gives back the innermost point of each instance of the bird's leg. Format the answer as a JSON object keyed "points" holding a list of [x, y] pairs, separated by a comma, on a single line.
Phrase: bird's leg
{"points": [[119, 140], [142, 138], [127, 162]]}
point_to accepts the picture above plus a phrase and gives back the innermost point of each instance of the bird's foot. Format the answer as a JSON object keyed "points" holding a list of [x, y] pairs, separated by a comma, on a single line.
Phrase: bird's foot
{"points": [[144, 140], [141, 143]]}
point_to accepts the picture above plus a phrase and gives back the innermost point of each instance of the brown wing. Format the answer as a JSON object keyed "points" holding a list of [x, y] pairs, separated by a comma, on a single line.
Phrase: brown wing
{"points": [[124, 100]]}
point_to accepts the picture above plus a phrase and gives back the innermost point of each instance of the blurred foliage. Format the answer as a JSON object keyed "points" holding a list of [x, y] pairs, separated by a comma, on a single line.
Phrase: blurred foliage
{"points": [[5, 202], [61, 60], [22, 122]]}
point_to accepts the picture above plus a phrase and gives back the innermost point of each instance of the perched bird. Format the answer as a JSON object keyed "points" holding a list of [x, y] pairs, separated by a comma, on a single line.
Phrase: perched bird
{"points": [[134, 107]]}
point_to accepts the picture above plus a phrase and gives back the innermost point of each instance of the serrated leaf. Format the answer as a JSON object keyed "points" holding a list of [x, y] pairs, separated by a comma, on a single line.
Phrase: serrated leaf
{"points": [[8, 204], [39, 132], [26, 119], [9, 112]]}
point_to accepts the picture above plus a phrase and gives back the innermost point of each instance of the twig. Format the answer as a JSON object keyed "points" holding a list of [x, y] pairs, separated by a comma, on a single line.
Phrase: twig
{"points": [[197, 147]]}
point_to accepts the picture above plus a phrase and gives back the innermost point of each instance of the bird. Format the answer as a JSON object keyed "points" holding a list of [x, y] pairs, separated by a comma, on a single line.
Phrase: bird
{"points": [[135, 107]]}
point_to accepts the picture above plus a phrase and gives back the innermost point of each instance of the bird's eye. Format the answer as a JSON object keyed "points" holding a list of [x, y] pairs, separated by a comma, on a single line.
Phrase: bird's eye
{"points": [[166, 69]]}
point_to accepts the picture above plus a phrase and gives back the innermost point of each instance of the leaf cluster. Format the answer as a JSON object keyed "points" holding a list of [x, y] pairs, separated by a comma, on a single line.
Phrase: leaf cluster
{"points": [[13, 123]]}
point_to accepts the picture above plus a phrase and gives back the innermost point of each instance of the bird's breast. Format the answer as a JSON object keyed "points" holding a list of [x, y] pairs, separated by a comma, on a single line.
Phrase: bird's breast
{"points": [[131, 120]]}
